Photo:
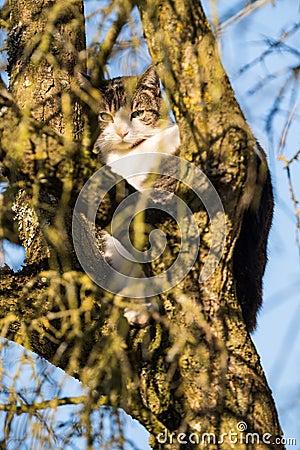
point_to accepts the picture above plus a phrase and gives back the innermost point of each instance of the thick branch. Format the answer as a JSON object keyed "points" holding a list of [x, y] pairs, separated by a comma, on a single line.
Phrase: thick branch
{"points": [[214, 135]]}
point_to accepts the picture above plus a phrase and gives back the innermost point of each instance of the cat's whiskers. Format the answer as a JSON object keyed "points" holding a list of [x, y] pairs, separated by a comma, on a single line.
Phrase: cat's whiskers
{"points": [[110, 141]]}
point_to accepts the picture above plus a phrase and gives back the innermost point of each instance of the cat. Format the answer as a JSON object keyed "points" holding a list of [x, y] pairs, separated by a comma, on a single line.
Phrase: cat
{"points": [[133, 119]]}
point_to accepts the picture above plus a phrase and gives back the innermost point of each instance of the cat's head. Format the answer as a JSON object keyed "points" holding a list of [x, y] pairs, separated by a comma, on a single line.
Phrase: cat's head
{"points": [[130, 110]]}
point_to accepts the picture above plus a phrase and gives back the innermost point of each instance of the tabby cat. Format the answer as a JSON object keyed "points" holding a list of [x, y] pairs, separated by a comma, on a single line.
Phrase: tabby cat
{"points": [[134, 119]]}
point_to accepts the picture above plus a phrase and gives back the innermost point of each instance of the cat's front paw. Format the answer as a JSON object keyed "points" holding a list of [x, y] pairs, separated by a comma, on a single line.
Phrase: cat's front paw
{"points": [[140, 311], [118, 257], [140, 314], [136, 318]]}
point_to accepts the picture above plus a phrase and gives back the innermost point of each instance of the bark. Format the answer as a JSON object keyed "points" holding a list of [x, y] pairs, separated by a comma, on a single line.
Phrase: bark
{"points": [[195, 370], [42, 149]]}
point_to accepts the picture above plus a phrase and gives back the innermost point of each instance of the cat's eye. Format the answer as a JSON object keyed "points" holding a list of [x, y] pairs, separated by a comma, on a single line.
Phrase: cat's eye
{"points": [[106, 117], [137, 114]]}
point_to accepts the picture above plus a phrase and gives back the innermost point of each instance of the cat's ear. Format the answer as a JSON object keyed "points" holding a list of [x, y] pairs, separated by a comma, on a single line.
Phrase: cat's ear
{"points": [[150, 79], [84, 81]]}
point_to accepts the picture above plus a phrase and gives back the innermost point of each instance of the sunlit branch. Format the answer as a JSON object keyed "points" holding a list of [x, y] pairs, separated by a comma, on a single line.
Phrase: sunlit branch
{"points": [[123, 10], [53, 403]]}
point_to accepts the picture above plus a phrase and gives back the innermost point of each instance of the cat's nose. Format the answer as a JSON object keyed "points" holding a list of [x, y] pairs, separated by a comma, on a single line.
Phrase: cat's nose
{"points": [[122, 133]]}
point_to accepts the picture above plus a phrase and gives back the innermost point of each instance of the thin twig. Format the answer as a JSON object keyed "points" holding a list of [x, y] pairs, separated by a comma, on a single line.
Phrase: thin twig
{"points": [[53, 403], [123, 10], [243, 13], [273, 45], [287, 126], [292, 192]]}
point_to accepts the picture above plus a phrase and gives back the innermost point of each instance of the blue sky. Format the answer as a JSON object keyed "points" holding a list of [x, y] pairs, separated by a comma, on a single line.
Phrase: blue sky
{"points": [[277, 337]]}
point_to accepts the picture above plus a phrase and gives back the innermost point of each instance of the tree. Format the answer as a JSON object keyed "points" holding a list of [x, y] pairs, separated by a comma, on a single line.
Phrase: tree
{"points": [[196, 363]]}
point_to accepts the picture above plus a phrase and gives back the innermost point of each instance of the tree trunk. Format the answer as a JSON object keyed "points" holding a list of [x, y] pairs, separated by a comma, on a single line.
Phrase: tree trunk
{"points": [[195, 369]]}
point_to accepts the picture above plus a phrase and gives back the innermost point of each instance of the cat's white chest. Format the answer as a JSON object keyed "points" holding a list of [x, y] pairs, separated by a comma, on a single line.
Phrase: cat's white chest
{"points": [[166, 141]]}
